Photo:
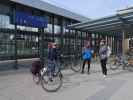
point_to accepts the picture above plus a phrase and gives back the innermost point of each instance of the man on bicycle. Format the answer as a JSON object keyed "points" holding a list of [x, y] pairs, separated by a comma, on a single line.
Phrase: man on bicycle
{"points": [[53, 55]]}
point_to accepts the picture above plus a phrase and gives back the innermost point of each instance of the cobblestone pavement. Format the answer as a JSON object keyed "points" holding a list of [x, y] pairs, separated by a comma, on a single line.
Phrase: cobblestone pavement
{"points": [[118, 85]]}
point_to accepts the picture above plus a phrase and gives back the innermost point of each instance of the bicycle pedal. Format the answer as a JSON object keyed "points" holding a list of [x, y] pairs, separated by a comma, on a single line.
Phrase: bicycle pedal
{"points": [[50, 79], [54, 75]]}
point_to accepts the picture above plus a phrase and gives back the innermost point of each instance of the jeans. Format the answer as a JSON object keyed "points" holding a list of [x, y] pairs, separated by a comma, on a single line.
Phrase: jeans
{"points": [[88, 61], [103, 65], [53, 67]]}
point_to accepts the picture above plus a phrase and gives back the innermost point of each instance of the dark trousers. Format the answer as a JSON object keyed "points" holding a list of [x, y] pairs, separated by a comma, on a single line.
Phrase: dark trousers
{"points": [[88, 61], [103, 65]]}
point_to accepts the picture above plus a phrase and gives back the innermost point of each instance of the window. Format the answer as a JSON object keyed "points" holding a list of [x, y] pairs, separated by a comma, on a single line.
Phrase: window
{"points": [[5, 10], [57, 29], [6, 45], [27, 45], [4, 17]]}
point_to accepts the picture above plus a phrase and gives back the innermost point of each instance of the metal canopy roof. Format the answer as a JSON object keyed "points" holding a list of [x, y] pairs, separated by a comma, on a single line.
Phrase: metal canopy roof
{"points": [[115, 23], [42, 5]]}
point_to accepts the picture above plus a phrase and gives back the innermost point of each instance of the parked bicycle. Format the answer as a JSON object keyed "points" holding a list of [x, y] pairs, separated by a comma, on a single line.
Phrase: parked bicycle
{"points": [[72, 62], [129, 66], [116, 62], [76, 63]]}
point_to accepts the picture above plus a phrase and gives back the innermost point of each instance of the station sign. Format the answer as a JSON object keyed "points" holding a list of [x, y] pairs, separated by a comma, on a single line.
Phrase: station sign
{"points": [[25, 19]]}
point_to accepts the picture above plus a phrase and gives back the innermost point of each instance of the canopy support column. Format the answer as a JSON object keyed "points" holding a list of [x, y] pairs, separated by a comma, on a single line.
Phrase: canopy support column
{"points": [[15, 39], [123, 42]]}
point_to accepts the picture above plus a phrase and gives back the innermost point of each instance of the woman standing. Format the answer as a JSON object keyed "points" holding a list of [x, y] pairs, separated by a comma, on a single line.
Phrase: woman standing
{"points": [[87, 55], [103, 56]]}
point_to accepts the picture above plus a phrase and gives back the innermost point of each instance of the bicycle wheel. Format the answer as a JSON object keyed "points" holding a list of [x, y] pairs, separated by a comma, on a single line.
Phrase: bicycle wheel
{"points": [[76, 65], [51, 84], [129, 67], [36, 78], [113, 65]]}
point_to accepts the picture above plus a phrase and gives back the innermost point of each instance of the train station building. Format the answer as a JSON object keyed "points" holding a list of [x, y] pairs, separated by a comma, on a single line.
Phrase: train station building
{"points": [[26, 27]]}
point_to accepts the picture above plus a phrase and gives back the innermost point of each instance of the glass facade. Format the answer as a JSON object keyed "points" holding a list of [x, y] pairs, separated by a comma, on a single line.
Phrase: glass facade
{"points": [[5, 17], [28, 38], [27, 45], [6, 45]]}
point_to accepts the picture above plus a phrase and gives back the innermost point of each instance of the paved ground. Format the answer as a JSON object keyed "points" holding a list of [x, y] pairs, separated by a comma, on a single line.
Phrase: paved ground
{"points": [[118, 85]]}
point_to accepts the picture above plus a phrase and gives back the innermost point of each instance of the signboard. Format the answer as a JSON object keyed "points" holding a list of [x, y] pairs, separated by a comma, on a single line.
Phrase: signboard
{"points": [[25, 19]]}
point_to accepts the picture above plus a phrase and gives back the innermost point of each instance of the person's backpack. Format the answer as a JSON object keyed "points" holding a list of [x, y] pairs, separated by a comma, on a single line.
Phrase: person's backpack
{"points": [[36, 67]]}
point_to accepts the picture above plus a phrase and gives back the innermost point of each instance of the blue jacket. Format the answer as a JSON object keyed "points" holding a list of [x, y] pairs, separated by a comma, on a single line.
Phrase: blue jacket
{"points": [[87, 54], [52, 54]]}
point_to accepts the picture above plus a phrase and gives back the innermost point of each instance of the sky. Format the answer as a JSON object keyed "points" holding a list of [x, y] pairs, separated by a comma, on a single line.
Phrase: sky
{"points": [[92, 8]]}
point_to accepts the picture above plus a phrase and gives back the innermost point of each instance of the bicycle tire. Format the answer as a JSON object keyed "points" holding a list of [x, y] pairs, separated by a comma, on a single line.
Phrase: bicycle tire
{"points": [[76, 66], [36, 78], [113, 66], [129, 67], [45, 82]]}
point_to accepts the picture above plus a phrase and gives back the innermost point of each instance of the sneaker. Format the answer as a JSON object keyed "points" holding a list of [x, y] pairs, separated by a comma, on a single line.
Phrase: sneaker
{"points": [[104, 76], [88, 73], [82, 72]]}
